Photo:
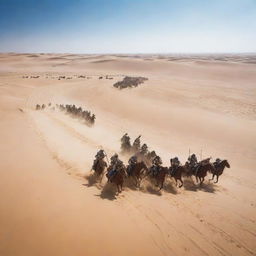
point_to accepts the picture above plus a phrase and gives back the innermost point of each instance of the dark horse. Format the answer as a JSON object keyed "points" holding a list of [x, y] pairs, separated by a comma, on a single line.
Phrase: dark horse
{"points": [[117, 178], [177, 174], [202, 170], [159, 176], [219, 168], [99, 168], [137, 171]]}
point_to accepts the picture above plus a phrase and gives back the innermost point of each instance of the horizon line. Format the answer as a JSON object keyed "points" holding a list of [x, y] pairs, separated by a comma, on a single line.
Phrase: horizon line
{"points": [[129, 53]]}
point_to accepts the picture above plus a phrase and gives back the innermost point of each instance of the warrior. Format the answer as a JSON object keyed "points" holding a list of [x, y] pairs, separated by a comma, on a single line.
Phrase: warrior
{"points": [[175, 162], [136, 144], [217, 162], [116, 165], [125, 142], [132, 161], [192, 161], [157, 162], [98, 157], [144, 149]]}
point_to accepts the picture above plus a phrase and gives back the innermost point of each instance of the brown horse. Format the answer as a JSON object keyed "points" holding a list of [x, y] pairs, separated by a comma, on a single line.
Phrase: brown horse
{"points": [[137, 171], [177, 174], [202, 170], [99, 168], [117, 179], [159, 176], [219, 168]]}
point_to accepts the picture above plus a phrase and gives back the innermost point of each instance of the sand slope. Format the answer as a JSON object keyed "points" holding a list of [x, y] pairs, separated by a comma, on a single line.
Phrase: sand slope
{"points": [[47, 206]]}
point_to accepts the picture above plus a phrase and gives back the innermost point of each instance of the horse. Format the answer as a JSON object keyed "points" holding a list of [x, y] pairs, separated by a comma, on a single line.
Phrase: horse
{"points": [[202, 170], [136, 172], [219, 168], [177, 174], [99, 168], [159, 176], [117, 179]]}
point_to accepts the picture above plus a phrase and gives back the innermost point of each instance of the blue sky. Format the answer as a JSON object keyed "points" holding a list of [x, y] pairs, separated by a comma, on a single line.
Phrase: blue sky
{"points": [[128, 26]]}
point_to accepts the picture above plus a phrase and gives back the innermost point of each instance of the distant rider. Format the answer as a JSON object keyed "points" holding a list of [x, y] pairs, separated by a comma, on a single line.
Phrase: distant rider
{"points": [[144, 149], [98, 157], [192, 161], [175, 163], [157, 162], [136, 144], [217, 162], [132, 162], [116, 165]]}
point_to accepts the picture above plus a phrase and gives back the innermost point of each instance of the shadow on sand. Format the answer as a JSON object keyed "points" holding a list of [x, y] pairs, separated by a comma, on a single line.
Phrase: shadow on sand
{"points": [[190, 185], [108, 192]]}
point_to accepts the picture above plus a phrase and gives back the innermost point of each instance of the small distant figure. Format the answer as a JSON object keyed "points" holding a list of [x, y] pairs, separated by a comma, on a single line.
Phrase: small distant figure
{"points": [[116, 165], [136, 144], [175, 163], [99, 164], [144, 150], [131, 163], [125, 143], [157, 162]]}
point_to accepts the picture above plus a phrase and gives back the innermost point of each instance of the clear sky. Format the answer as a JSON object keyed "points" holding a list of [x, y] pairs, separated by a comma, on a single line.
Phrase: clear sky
{"points": [[128, 26]]}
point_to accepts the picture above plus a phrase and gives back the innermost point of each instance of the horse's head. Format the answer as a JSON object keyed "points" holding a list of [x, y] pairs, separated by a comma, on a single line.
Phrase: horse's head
{"points": [[226, 163]]}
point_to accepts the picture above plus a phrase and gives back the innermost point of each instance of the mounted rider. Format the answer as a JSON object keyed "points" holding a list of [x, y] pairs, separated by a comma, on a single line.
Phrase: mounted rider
{"points": [[175, 163], [136, 144], [192, 161], [125, 142], [157, 162], [116, 165], [144, 149], [100, 155], [217, 162], [132, 162]]}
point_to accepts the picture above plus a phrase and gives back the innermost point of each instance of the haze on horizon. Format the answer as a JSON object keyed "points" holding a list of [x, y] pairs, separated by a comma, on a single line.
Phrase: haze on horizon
{"points": [[123, 26]]}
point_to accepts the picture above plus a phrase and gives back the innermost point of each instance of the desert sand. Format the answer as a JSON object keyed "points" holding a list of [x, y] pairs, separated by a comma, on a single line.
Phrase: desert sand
{"points": [[204, 103]]}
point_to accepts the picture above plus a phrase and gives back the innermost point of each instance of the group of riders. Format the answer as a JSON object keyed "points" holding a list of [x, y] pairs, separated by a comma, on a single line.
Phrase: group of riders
{"points": [[72, 110], [150, 158]]}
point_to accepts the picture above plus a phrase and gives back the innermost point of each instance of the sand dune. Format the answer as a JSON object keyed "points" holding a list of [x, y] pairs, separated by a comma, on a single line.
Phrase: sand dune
{"points": [[49, 207]]}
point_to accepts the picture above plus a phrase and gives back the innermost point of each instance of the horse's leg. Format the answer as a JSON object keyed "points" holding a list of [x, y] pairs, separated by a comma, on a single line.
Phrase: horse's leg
{"points": [[101, 177], [176, 181], [197, 179], [138, 181], [202, 181], [217, 179], [135, 181], [118, 188], [180, 179], [162, 185], [212, 177]]}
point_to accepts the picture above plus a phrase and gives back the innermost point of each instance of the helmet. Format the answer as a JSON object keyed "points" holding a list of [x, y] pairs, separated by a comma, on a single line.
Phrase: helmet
{"points": [[193, 155]]}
